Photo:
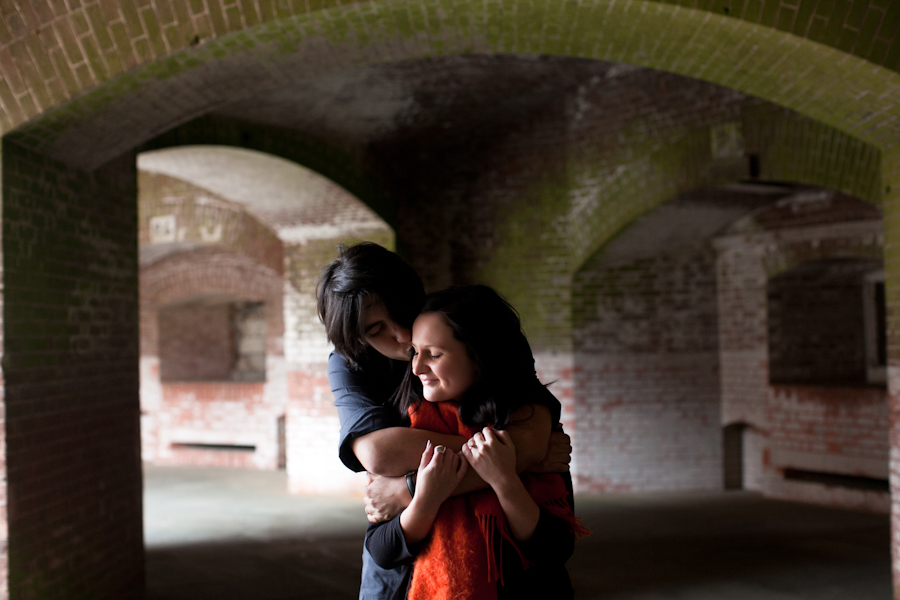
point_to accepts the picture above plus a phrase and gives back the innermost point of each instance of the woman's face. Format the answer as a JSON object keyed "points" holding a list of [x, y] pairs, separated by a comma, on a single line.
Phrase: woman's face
{"points": [[440, 361]]}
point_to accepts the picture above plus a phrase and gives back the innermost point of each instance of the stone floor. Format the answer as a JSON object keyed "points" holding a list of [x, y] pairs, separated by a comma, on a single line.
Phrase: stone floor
{"points": [[237, 535]]}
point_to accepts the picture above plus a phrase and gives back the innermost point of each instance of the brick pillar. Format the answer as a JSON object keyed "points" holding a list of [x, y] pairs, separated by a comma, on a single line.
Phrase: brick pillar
{"points": [[890, 176], [4, 520], [70, 362]]}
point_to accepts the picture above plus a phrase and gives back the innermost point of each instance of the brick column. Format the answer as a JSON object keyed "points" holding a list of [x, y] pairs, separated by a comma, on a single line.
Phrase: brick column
{"points": [[890, 182], [70, 362]]}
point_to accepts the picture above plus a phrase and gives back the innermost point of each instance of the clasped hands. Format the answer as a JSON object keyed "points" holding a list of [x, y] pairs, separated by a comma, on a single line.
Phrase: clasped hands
{"points": [[491, 453]]}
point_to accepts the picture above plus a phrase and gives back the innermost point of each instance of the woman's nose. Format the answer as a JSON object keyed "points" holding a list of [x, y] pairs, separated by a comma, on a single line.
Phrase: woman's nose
{"points": [[416, 365]]}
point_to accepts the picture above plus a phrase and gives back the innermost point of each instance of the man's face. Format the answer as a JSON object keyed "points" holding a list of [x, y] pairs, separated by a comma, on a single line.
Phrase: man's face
{"points": [[383, 334]]}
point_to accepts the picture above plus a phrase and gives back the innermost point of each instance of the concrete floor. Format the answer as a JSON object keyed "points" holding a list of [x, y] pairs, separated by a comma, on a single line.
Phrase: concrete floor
{"points": [[237, 535]]}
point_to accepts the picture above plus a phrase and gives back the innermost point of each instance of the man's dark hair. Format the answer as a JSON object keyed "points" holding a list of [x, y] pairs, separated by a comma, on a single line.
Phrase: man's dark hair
{"points": [[362, 275]]}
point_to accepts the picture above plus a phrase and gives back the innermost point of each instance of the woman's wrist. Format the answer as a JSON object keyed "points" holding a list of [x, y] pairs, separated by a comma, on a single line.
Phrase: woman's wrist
{"points": [[508, 485], [417, 519]]}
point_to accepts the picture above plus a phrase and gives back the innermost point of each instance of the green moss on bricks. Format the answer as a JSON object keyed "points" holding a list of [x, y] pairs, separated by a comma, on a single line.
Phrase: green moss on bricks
{"points": [[522, 267], [728, 49], [798, 149]]}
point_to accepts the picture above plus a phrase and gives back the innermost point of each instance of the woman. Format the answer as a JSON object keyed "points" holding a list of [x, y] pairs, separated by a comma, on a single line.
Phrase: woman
{"points": [[472, 374]]}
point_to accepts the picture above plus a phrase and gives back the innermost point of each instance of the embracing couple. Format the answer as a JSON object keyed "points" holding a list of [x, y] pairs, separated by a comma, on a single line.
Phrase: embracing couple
{"points": [[469, 494]]}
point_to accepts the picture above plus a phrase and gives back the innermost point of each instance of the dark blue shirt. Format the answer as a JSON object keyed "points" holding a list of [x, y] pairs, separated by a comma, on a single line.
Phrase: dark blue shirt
{"points": [[361, 397]]}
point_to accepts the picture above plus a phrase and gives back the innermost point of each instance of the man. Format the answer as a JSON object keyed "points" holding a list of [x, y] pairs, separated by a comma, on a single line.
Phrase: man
{"points": [[368, 299]]}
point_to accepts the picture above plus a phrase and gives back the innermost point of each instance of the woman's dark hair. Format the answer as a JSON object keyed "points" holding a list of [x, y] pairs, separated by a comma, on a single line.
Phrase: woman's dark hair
{"points": [[362, 275], [492, 332]]}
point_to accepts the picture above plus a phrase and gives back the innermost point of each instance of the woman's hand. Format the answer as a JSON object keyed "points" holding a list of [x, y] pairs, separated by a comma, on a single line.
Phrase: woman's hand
{"points": [[493, 456], [440, 471]]}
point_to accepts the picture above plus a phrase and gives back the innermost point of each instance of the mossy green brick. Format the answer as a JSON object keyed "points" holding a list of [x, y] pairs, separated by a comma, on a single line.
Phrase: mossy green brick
{"points": [[355, 22], [803, 18], [769, 13], [790, 19], [94, 58], [217, 17], [248, 12], [817, 29], [268, 10], [397, 22], [889, 28], [132, 20], [582, 36], [98, 26], [154, 34], [868, 33], [143, 50], [196, 7], [837, 15], [417, 18], [493, 26], [122, 44], [32, 80], [41, 60], [233, 18]]}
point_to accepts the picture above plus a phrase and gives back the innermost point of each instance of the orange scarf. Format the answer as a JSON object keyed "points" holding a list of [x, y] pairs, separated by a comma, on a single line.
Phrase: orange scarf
{"points": [[461, 559]]}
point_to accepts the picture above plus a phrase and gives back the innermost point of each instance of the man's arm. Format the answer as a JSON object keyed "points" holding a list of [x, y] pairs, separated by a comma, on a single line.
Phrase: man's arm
{"points": [[395, 451], [386, 496]]}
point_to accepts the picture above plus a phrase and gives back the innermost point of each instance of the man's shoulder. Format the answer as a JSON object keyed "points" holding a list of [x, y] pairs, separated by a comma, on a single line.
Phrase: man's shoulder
{"points": [[371, 367]]}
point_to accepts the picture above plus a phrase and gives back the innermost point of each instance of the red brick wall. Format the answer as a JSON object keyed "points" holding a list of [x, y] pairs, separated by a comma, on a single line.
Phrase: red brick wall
{"points": [[196, 342], [182, 419], [217, 424], [838, 429], [646, 380], [71, 379]]}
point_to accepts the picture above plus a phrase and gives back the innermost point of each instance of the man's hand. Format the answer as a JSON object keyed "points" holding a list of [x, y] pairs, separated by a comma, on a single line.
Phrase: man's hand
{"points": [[559, 454], [385, 497]]}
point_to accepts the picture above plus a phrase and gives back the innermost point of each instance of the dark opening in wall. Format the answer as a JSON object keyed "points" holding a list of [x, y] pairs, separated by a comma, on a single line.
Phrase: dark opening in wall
{"points": [[733, 455], [213, 339], [817, 322], [219, 447], [834, 480]]}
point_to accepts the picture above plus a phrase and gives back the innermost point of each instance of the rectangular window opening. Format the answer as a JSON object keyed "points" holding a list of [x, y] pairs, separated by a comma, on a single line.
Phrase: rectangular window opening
{"points": [[214, 447], [856, 482]]}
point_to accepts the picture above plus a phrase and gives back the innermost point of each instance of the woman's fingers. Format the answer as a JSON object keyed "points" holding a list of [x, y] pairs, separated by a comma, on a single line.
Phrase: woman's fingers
{"points": [[502, 436], [426, 455], [461, 468]]}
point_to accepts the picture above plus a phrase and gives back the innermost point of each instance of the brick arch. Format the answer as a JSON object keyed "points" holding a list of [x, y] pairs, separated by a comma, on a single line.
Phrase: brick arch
{"points": [[204, 271], [645, 343], [322, 156], [812, 60], [80, 87]]}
